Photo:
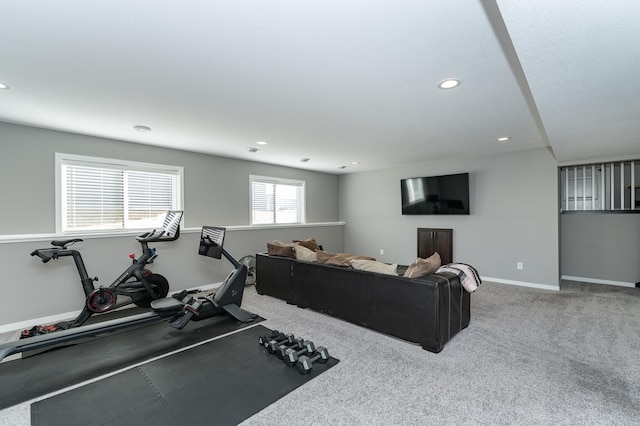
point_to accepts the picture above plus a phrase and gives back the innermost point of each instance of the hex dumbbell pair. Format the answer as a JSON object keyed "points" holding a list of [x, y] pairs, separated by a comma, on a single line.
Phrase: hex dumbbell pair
{"points": [[272, 342], [292, 355], [305, 363], [297, 344], [264, 340], [273, 345]]}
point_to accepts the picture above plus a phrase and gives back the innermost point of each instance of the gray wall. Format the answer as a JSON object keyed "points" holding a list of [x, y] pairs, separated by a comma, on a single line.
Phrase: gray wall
{"points": [[601, 247], [514, 216], [216, 188], [216, 193]]}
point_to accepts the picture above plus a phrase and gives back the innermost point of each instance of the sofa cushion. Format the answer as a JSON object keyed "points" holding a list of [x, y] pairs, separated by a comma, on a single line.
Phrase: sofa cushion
{"points": [[303, 253], [374, 266], [421, 267], [338, 259], [278, 248], [309, 243], [332, 259]]}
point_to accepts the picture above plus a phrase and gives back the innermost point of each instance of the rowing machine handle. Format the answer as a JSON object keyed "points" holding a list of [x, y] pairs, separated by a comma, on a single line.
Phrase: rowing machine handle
{"points": [[185, 315]]}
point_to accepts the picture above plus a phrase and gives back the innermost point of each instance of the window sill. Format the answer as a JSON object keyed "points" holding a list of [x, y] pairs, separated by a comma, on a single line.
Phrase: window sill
{"points": [[281, 226], [19, 238]]}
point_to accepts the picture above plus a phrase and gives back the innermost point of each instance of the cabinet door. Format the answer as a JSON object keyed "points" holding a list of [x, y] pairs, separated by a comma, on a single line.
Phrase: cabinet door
{"points": [[431, 240]]}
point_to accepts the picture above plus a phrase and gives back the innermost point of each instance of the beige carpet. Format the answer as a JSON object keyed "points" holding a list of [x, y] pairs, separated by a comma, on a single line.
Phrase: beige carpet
{"points": [[529, 357]]}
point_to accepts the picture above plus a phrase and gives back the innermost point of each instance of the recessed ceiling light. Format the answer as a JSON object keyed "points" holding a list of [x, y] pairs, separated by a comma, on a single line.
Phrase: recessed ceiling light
{"points": [[140, 128], [3, 86], [449, 83], [262, 142], [504, 139], [355, 163]]}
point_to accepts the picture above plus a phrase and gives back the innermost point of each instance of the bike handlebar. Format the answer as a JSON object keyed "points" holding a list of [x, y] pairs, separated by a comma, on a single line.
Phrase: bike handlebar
{"points": [[41, 255], [151, 236], [157, 235]]}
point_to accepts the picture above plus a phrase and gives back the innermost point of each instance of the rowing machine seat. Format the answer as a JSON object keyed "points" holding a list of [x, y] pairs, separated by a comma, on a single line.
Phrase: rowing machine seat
{"points": [[168, 305]]}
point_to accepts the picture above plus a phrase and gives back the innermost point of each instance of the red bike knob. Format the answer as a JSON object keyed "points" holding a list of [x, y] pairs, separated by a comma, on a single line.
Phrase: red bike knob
{"points": [[132, 255]]}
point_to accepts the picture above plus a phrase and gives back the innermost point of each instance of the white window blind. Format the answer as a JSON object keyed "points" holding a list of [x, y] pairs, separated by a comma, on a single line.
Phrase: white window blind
{"points": [[106, 195], [277, 201]]}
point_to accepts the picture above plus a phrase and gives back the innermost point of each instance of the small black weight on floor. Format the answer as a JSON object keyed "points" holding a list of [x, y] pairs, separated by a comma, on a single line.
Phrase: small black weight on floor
{"points": [[305, 363], [264, 340], [282, 349], [273, 345], [291, 355]]}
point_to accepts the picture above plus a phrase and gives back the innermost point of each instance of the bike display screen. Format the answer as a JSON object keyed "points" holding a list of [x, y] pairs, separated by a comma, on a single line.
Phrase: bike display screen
{"points": [[211, 240]]}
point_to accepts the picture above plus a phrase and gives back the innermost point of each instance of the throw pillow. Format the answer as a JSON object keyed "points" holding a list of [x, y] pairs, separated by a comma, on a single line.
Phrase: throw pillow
{"points": [[374, 266], [309, 243], [350, 257], [335, 259], [338, 259], [303, 253], [277, 248], [421, 267]]}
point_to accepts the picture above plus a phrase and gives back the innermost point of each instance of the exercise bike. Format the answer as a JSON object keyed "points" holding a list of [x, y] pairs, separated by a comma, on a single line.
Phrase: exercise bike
{"points": [[178, 310], [137, 283]]}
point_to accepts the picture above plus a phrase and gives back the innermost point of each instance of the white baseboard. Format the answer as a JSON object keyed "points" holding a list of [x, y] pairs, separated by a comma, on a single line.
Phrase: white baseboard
{"points": [[22, 325], [598, 281], [522, 283], [52, 319]]}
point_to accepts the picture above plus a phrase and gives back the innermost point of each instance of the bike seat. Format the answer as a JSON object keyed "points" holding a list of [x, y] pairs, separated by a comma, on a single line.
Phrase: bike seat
{"points": [[64, 243]]}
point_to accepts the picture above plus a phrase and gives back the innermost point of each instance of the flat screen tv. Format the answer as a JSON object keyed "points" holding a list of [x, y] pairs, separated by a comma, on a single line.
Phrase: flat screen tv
{"points": [[441, 195]]}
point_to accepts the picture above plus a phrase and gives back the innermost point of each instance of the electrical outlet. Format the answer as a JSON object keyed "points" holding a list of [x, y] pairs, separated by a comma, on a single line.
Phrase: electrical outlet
{"points": [[381, 251], [520, 265]]}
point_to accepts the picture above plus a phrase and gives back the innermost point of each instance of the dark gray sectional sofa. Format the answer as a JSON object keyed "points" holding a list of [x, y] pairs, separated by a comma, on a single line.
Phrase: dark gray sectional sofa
{"points": [[428, 310]]}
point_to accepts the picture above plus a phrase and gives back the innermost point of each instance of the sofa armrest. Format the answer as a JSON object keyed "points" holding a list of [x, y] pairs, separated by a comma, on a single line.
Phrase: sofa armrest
{"points": [[273, 276]]}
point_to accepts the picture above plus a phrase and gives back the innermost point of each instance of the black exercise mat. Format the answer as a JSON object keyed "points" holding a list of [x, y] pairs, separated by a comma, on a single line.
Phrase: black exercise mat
{"points": [[96, 319], [31, 377], [222, 382]]}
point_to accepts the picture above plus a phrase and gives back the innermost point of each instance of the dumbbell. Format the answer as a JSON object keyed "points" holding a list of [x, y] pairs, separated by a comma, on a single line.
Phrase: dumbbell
{"points": [[291, 355], [283, 348], [264, 340], [274, 344], [305, 363]]}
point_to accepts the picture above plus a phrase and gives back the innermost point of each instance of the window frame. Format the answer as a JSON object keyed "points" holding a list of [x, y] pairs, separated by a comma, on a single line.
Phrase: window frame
{"points": [[301, 204], [110, 163]]}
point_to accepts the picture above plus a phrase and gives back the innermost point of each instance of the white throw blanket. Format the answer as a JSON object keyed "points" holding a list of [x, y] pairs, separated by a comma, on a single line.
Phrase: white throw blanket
{"points": [[469, 277]]}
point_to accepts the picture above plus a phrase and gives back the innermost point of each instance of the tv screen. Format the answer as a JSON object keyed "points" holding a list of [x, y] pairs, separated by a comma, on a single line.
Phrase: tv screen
{"points": [[211, 240], [443, 195]]}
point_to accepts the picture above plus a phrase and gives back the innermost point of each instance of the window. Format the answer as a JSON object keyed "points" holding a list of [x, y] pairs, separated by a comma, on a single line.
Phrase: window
{"points": [[277, 201], [100, 194]]}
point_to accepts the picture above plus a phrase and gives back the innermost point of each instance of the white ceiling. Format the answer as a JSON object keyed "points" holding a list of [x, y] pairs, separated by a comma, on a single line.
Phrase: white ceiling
{"points": [[332, 81]]}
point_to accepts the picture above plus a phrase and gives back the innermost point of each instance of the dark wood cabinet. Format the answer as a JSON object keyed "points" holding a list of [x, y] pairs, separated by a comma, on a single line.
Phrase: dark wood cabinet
{"points": [[431, 240]]}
